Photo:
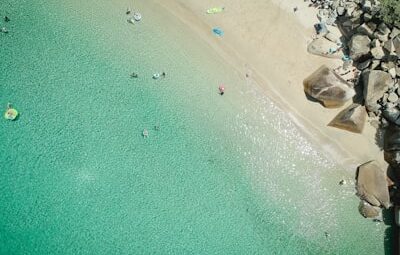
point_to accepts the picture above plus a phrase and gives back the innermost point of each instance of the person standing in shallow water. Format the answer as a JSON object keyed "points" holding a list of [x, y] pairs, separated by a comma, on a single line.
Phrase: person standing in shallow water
{"points": [[221, 89]]}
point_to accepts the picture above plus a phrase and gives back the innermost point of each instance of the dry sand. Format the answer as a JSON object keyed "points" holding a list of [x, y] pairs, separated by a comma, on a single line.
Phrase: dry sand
{"points": [[269, 40]]}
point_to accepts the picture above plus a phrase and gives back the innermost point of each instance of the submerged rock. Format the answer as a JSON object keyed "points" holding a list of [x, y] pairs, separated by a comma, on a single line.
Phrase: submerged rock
{"points": [[351, 119], [328, 87], [372, 185], [375, 84]]}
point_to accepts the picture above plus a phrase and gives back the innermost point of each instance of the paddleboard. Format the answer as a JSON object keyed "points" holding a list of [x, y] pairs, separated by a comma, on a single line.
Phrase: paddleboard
{"points": [[215, 10]]}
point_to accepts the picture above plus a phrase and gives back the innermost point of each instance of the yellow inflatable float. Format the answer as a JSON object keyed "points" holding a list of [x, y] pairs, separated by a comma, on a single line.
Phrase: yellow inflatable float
{"points": [[11, 113]]}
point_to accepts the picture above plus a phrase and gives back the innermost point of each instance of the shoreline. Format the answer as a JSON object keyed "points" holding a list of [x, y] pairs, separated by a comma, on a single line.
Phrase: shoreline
{"points": [[311, 118]]}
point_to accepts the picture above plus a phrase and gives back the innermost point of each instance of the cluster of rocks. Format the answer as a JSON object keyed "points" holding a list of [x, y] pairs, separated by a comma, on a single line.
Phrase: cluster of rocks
{"points": [[371, 49]]}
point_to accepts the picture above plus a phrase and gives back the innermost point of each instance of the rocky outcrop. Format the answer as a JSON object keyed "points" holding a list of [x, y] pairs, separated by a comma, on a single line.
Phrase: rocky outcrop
{"points": [[351, 119], [375, 83], [359, 46], [371, 61], [372, 185], [327, 87]]}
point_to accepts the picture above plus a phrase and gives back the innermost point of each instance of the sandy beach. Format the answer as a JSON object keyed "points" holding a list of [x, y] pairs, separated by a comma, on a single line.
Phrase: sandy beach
{"points": [[268, 41]]}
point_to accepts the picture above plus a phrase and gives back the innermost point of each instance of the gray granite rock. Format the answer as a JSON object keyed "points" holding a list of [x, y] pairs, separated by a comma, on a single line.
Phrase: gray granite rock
{"points": [[385, 66], [388, 45], [393, 97], [365, 30], [381, 37], [377, 52], [351, 119], [375, 84], [395, 32], [359, 46], [383, 29], [328, 87], [367, 6], [375, 64], [392, 72], [340, 10], [372, 185], [367, 17]]}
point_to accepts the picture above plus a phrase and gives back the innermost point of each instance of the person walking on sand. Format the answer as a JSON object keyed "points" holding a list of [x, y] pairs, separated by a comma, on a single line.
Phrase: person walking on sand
{"points": [[221, 89]]}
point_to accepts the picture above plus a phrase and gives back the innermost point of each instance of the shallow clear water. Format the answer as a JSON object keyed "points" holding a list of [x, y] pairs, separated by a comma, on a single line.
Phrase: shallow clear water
{"points": [[223, 175]]}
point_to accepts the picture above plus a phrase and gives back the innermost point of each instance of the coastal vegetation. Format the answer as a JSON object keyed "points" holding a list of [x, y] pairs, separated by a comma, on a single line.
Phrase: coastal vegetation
{"points": [[390, 11]]}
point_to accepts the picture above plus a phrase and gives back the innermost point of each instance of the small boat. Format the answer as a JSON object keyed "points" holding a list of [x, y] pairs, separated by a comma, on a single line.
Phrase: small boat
{"points": [[137, 16], [128, 11], [215, 10], [11, 113], [218, 31], [156, 76], [4, 30], [131, 20]]}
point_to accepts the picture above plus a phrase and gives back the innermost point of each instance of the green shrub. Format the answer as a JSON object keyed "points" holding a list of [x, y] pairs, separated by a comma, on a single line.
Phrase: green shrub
{"points": [[390, 11]]}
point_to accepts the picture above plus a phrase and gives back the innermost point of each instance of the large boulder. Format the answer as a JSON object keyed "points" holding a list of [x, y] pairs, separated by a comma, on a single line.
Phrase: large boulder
{"points": [[325, 48], [351, 119], [372, 185], [375, 84], [359, 46], [369, 211], [328, 87]]}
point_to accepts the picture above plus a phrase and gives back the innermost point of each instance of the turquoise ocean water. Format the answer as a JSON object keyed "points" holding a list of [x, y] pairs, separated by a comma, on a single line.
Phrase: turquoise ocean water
{"points": [[223, 175]]}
